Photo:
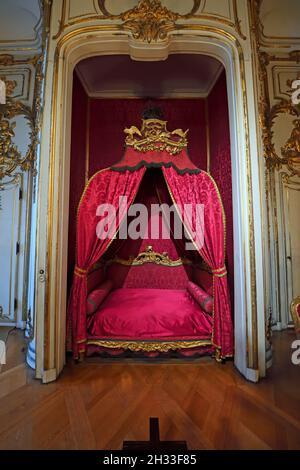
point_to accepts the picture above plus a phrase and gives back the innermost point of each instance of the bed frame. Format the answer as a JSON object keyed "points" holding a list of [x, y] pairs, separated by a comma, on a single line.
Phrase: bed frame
{"points": [[163, 259]]}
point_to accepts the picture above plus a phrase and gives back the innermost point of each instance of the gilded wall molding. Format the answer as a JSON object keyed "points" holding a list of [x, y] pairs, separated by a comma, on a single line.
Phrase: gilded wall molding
{"points": [[10, 156], [149, 20], [281, 161], [267, 112]]}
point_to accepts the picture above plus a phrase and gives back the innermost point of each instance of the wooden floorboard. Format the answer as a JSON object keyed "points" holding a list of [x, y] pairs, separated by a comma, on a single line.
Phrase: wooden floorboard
{"points": [[98, 405]]}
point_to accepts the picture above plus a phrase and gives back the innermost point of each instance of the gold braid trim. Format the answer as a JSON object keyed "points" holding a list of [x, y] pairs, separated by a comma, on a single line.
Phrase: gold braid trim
{"points": [[149, 346], [220, 272], [80, 272]]}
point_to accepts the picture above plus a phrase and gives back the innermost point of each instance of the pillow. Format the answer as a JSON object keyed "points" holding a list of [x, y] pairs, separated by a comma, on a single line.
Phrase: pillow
{"points": [[96, 297], [203, 298]]}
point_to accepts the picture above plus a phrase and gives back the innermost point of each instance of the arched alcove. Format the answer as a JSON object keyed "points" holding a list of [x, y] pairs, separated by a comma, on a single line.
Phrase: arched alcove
{"points": [[54, 186]]}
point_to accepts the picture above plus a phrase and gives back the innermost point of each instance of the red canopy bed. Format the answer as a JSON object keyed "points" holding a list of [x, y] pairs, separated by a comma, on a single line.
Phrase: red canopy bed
{"points": [[161, 307]]}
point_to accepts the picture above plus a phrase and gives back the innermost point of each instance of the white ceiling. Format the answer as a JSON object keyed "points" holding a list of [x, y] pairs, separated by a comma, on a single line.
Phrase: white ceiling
{"points": [[20, 22], [118, 76]]}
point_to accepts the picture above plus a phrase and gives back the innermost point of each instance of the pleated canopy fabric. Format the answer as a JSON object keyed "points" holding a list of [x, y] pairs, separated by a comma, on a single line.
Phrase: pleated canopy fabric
{"points": [[187, 185]]}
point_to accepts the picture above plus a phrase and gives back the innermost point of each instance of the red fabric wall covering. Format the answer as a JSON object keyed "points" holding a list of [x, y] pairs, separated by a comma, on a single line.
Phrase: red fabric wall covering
{"points": [[77, 165], [109, 117], [220, 162]]}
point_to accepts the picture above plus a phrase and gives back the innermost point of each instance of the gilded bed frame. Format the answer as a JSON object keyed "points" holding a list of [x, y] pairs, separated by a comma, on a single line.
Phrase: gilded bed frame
{"points": [[151, 256], [163, 259]]}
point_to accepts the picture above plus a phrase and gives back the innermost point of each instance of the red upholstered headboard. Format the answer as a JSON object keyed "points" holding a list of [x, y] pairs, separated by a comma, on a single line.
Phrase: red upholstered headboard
{"points": [[149, 276], [150, 270]]}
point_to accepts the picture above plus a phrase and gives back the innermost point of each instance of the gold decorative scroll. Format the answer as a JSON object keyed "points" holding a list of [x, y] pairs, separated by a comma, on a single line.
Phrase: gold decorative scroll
{"points": [[149, 20], [294, 313], [149, 346], [150, 256], [154, 136], [10, 156], [291, 150], [8, 60], [10, 85]]}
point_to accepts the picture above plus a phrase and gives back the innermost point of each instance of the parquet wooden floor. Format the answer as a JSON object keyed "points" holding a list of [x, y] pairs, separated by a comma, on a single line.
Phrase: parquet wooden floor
{"points": [[98, 405]]}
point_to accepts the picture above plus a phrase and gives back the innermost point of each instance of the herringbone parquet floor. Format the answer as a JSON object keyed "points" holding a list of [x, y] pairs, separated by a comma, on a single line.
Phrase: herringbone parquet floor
{"points": [[98, 405]]}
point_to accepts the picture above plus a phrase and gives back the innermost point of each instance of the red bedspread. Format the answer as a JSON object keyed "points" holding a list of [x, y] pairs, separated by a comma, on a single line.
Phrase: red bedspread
{"points": [[150, 314]]}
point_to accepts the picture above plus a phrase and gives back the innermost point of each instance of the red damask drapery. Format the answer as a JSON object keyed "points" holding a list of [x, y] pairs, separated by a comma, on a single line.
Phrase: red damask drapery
{"points": [[105, 187], [187, 185], [193, 189]]}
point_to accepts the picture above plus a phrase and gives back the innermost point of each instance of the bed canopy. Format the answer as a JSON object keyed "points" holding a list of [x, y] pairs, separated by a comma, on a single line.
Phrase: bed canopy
{"points": [[152, 146]]}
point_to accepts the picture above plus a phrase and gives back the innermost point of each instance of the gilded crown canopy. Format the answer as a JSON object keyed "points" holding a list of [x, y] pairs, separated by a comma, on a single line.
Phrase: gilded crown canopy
{"points": [[154, 135]]}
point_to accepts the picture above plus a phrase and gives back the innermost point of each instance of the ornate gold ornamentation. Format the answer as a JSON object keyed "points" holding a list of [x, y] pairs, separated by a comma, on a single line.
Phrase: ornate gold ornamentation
{"points": [[194, 13], [150, 256], [149, 20], [149, 346], [292, 148], [8, 59], [68, 38], [155, 136], [10, 85], [294, 309], [268, 113], [10, 157]]}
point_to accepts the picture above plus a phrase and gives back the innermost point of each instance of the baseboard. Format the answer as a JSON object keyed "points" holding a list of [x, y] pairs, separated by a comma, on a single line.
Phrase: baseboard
{"points": [[49, 376], [252, 375]]}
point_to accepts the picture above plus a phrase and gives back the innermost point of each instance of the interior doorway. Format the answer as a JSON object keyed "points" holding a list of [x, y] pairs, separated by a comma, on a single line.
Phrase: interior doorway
{"points": [[248, 295]]}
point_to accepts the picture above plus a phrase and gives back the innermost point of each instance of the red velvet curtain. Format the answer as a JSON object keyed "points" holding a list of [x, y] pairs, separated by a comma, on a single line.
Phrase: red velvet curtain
{"points": [[105, 187], [196, 189]]}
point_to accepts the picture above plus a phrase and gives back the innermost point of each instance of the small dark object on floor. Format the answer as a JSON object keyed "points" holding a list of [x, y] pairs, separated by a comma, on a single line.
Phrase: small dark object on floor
{"points": [[155, 443]]}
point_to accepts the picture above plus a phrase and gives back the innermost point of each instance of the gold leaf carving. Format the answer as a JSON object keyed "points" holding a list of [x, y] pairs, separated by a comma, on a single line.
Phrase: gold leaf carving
{"points": [[154, 136], [10, 85], [149, 20], [150, 256], [10, 156], [291, 150], [149, 346]]}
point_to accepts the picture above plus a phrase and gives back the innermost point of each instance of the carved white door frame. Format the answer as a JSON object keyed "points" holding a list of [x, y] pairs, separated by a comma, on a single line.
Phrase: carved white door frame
{"points": [[54, 186]]}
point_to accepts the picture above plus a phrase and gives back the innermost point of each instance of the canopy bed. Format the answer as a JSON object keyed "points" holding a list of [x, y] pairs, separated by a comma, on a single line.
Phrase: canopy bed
{"points": [[156, 300]]}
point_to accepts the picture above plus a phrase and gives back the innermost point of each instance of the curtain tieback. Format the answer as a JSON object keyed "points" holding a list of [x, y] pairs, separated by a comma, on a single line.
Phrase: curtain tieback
{"points": [[220, 272], [80, 272]]}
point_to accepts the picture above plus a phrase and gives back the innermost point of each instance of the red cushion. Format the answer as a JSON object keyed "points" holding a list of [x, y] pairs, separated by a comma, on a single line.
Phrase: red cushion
{"points": [[96, 297], [298, 310], [199, 295]]}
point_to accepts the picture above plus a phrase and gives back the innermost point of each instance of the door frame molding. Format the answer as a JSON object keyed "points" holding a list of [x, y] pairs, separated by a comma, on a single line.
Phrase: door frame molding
{"points": [[53, 198]]}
